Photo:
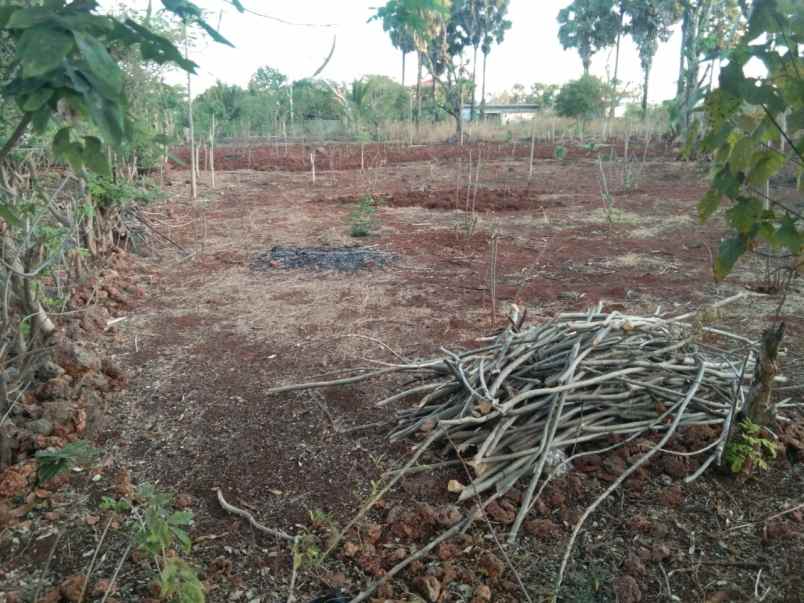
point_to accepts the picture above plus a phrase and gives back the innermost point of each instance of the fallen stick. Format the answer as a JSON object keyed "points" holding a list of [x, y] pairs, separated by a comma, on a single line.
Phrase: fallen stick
{"points": [[250, 518]]}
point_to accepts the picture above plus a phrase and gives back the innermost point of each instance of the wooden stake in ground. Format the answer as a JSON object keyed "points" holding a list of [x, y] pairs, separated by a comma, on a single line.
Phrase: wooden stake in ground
{"points": [[493, 276], [532, 147], [193, 159], [212, 152]]}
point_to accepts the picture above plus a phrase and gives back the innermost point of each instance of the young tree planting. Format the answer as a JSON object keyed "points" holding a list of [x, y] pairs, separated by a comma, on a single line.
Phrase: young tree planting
{"points": [[582, 99]]}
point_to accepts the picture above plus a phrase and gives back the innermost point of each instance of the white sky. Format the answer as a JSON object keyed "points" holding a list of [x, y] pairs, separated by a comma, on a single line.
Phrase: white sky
{"points": [[530, 53]]}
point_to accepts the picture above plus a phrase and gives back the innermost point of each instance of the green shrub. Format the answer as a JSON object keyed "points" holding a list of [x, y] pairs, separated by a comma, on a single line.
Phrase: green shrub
{"points": [[583, 99], [362, 219], [750, 448]]}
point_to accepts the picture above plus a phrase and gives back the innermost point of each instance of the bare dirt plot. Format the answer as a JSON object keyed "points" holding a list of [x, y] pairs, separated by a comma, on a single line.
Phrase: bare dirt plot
{"points": [[213, 335], [296, 157]]}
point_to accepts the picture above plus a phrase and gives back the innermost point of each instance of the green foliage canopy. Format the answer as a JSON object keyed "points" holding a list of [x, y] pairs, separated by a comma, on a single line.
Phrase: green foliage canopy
{"points": [[745, 132], [582, 99]]}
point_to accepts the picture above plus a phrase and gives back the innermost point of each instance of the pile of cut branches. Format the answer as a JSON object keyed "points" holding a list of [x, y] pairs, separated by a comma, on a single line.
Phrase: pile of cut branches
{"points": [[536, 398]]}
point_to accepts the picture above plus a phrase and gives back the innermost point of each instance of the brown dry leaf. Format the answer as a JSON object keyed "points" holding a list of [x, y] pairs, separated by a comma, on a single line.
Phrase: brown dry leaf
{"points": [[53, 596], [484, 407], [101, 587], [71, 587], [455, 486], [12, 482]]}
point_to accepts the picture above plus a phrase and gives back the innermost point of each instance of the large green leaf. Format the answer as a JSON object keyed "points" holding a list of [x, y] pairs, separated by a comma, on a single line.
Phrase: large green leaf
{"points": [[28, 17], [213, 33], [728, 254], [744, 214], [5, 15], [108, 78], [795, 121], [41, 119], [36, 99], [94, 157], [741, 153], [708, 205], [766, 164], [60, 141], [8, 215], [726, 182], [789, 236], [42, 49], [107, 116], [152, 46]]}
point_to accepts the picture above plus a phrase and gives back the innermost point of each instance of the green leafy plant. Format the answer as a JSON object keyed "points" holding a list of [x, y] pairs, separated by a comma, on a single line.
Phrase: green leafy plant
{"points": [[161, 533], [55, 462], [560, 152], [107, 193], [306, 551], [750, 448], [582, 99], [752, 129], [178, 581], [362, 219]]}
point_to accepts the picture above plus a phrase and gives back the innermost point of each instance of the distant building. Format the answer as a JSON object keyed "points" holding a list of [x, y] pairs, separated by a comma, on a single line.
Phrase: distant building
{"points": [[502, 113]]}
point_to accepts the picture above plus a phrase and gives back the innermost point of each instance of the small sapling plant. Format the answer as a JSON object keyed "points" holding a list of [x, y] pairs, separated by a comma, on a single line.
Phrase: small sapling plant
{"points": [[362, 219], [160, 533], [750, 448], [55, 462]]}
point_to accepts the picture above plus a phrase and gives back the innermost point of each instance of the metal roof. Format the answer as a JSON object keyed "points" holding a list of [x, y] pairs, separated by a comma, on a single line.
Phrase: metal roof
{"points": [[519, 108]]}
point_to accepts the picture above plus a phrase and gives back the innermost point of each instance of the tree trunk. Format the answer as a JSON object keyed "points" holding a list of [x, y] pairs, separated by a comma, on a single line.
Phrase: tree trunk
{"points": [[758, 404], [483, 89], [458, 108], [435, 107], [646, 69], [616, 70], [474, 84], [685, 28], [419, 91], [404, 54]]}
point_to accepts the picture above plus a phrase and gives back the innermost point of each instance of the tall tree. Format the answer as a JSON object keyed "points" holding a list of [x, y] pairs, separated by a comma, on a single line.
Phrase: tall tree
{"points": [[650, 23], [467, 18], [403, 40], [588, 26], [707, 27], [493, 24], [419, 19]]}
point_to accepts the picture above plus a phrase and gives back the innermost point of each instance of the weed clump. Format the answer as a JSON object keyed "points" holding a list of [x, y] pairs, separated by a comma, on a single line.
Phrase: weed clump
{"points": [[362, 220]]}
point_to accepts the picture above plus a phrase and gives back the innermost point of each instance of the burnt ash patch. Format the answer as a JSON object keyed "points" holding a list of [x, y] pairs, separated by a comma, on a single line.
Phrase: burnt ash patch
{"points": [[342, 259]]}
